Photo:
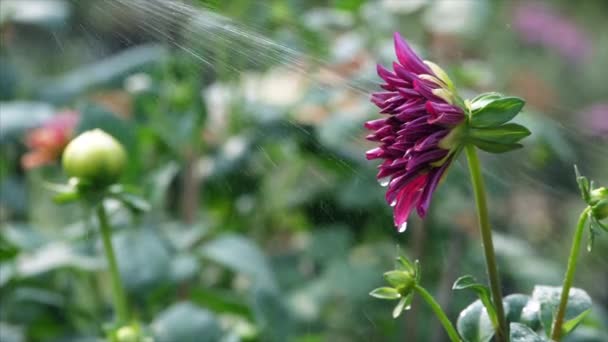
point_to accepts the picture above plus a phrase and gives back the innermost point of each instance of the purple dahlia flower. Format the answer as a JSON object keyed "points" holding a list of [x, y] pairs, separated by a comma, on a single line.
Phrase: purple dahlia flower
{"points": [[418, 101]]}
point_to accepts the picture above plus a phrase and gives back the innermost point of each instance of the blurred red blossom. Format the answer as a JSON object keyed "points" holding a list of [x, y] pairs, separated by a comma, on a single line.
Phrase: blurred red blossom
{"points": [[48, 141]]}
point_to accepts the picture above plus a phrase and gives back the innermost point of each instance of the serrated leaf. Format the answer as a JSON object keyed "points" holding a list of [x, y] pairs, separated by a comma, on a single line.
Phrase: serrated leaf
{"points": [[506, 134], [468, 282], [493, 147], [496, 111], [385, 293], [521, 333], [549, 297], [474, 324]]}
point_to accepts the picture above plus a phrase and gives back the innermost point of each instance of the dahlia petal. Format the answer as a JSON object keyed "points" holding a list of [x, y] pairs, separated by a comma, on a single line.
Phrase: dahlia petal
{"points": [[431, 141], [433, 180], [426, 157], [407, 198], [408, 58], [375, 124], [443, 113], [374, 153], [425, 90]]}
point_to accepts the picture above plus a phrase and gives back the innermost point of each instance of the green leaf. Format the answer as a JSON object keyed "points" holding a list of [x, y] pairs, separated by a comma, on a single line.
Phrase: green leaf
{"points": [[506, 134], [519, 308], [493, 147], [474, 324], [240, 255], [468, 282], [521, 333], [385, 293], [583, 184], [549, 297], [569, 325], [185, 322], [144, 259], [405, 264], [482, 100], [135, 203], [496, 111], [404, 304]]}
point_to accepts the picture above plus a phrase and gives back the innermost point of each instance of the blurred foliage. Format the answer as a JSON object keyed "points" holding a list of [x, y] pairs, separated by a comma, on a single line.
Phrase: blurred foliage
{"points": [[267, 222]]}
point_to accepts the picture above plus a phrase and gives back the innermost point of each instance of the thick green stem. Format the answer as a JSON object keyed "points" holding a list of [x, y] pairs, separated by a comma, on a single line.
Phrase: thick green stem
{"points": [[443, 318], [118, 294], [486, 237], [556, 334]]}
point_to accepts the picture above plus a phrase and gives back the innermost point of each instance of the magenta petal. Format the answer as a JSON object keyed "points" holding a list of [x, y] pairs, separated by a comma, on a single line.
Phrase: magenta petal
{"points": [[434, 178], [407, 198], [408, 58], [374, 153]]}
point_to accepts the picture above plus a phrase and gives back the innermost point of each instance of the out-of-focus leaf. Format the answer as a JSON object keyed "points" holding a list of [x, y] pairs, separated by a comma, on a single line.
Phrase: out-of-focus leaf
{"points": [[240, 255], [482, 291], [11, 333], [53, 256], [474, 324], [549, 297], [19, 116], [270, 309], [112, 69], [185, 322], [521, 333], [183, 267], [143, 259]]}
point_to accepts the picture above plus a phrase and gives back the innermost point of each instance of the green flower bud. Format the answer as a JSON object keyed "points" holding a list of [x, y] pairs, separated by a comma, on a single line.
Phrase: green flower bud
{"points": [[598, 194], [127, 334], [600, 209], [95, 157], [402, 281]]}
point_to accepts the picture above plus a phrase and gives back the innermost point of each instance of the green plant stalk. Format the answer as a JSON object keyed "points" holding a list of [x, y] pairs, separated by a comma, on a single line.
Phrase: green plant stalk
{"points": [[118, 294], [488, 246], [443, 318], [556, 334]]}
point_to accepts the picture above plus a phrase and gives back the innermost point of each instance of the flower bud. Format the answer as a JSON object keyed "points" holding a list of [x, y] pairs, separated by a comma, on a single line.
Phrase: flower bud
{"points": [[402, 281], [600, 209], [127, 334], [597, 195], [95, 157]]}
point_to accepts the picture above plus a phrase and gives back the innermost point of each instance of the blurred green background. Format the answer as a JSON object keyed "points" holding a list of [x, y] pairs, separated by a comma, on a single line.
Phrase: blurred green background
{"points": [[243, 120]]}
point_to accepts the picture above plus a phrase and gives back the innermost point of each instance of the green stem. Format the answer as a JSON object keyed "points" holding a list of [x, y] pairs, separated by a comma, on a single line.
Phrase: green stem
{"points": [[488, 245], [556, 334], [118, 294], [443, 318]]}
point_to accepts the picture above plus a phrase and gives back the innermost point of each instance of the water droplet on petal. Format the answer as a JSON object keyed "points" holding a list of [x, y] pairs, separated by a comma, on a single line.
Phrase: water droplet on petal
{"points": [[407, 307], [394, 203], [402, 227], [384, 181]]}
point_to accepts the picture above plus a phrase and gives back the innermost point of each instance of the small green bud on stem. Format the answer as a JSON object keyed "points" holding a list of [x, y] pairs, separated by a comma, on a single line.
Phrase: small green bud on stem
{"points": [[95, 157]]}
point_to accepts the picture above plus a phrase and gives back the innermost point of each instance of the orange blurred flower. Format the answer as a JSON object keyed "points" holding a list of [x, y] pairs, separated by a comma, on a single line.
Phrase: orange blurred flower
{"points": [[48, 141]]}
